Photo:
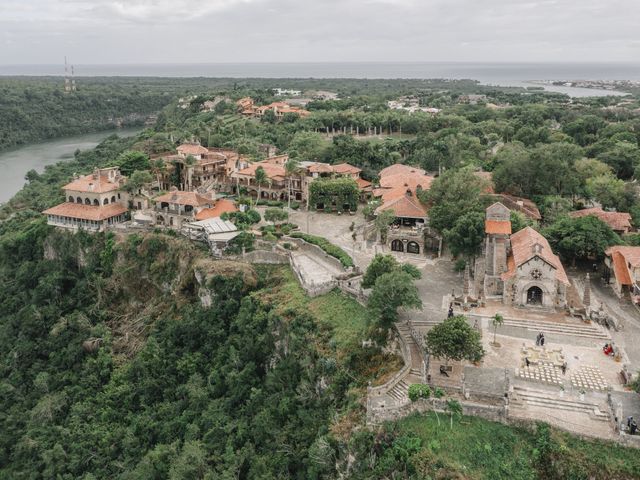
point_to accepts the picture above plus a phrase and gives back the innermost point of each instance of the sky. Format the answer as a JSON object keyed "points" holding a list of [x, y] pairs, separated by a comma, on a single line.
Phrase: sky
{"points": [[213, 31]]}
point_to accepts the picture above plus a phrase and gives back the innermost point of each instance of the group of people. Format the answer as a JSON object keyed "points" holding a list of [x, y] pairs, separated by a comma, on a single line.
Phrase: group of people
{"points": [[608, 349], [540, 340]]}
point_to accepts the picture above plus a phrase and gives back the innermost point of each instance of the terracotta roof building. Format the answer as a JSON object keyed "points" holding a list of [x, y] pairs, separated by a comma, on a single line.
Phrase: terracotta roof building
{"points": [[398, 190], [221, 206], [521, 268], [618, 221], [93, 202], [177, 207], [624, 262], [277, 188]]}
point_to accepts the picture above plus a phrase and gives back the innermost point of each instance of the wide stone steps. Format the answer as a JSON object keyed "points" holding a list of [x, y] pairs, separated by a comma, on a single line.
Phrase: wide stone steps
{"points": [[426, 322], [415, 372], [575, 330], [400, 391], [524, 398]]}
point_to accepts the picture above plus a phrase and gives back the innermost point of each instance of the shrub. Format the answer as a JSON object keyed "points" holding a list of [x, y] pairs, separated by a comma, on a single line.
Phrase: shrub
{"points": [[295, 205], [418, 391], [327, 247], [459, 265]]}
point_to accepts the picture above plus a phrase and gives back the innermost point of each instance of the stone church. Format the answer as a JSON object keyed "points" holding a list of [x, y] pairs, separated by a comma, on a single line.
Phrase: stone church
{"points": [[521, 268]]}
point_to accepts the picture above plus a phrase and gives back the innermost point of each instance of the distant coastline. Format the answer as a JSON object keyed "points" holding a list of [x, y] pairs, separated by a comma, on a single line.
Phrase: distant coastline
{"points": [[499, 74]]}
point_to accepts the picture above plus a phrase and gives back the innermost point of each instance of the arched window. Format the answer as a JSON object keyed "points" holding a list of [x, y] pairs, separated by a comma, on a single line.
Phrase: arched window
{"points": [[96, 201], [413, 247], [105, 201], [397, 246], [78, 200], [113, 199], [87, 201], [70, 199]]}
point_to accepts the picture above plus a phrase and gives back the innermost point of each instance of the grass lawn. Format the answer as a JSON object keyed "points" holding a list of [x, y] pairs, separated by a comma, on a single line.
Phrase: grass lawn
{"points": [[479, 449]]}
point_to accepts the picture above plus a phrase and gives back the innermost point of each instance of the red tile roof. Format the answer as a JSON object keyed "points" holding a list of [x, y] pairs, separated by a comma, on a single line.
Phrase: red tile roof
{"points": [[192, 149], [185, 198], [93, 183], [345, 168], [222, 206], [622, 256], [400, 168], [405, 206], [618, 221], [320, 168], [274, 172], [363, 184], [522, 250], [497, 227], [86, 212], [620, 269]]}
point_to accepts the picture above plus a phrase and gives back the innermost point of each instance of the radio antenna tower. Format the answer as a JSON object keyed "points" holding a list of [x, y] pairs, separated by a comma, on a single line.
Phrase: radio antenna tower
{"points": [[67, 80], [73, 80]]}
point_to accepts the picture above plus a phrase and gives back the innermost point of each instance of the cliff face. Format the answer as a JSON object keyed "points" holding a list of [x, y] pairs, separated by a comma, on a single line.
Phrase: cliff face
{"points": [[138, 278]]}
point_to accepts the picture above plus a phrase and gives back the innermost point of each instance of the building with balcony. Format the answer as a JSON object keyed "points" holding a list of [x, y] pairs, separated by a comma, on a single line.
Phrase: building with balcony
{"points": [[93, 202], [177, 207], [398, 192]]}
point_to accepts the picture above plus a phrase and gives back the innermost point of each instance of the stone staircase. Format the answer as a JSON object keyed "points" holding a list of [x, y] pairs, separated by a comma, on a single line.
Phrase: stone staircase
{"points": [[581, 330], [568, 413], [426, 323], [395, 392]]}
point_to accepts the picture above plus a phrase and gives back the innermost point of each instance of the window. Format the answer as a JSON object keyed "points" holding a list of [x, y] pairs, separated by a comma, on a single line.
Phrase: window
{"points": [[113, 199], [105, 201], [71, 199]]}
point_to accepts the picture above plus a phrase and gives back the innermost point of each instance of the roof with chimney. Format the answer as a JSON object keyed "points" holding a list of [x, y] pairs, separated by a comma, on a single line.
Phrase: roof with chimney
{"points": [[180, 197], [99, 181], [192, 149]]}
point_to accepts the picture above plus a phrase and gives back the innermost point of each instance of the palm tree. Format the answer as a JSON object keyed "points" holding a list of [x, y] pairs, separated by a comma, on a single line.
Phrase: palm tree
{"points": [[496, 321], [291, 168], [158, 167], [261, 179]]}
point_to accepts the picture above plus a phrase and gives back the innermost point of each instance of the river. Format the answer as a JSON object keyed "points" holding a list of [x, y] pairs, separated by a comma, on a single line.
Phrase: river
{"points": [[15, 163]]}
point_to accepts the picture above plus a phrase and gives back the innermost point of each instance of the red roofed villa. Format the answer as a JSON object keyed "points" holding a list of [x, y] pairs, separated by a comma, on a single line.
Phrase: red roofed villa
{"points": [[94, 202]]}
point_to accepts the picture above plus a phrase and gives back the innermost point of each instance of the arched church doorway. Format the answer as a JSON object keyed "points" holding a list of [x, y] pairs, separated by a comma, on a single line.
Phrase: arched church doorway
{"points": [[534, 296]]}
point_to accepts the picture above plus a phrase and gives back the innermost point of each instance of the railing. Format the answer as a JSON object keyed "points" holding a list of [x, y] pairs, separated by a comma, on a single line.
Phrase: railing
{"points": [[406, 232], [397, 378]]}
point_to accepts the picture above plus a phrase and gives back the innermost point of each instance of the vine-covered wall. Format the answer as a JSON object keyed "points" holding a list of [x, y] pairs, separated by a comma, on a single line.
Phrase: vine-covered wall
{"points": [[334, 194]]}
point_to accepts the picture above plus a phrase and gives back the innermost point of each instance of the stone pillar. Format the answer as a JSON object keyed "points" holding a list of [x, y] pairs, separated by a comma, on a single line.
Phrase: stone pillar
{"points": [[586, 299], [466, 283]]}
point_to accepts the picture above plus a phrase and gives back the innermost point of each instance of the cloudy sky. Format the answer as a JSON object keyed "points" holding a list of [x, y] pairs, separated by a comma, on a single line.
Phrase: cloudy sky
{"points": [[210, 31]]}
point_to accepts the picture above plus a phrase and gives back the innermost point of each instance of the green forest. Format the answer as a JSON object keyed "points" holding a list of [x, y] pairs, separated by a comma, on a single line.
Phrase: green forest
{"points": [[113, 367]]}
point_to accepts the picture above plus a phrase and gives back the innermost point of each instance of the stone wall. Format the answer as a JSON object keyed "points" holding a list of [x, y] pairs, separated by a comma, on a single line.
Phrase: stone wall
{"points": [[489, 412], [266, 257], [316, 251]]}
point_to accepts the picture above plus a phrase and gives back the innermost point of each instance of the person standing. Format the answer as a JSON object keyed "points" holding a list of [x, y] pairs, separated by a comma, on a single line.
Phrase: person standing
{"points": [[538, 339], [542, 339]]}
